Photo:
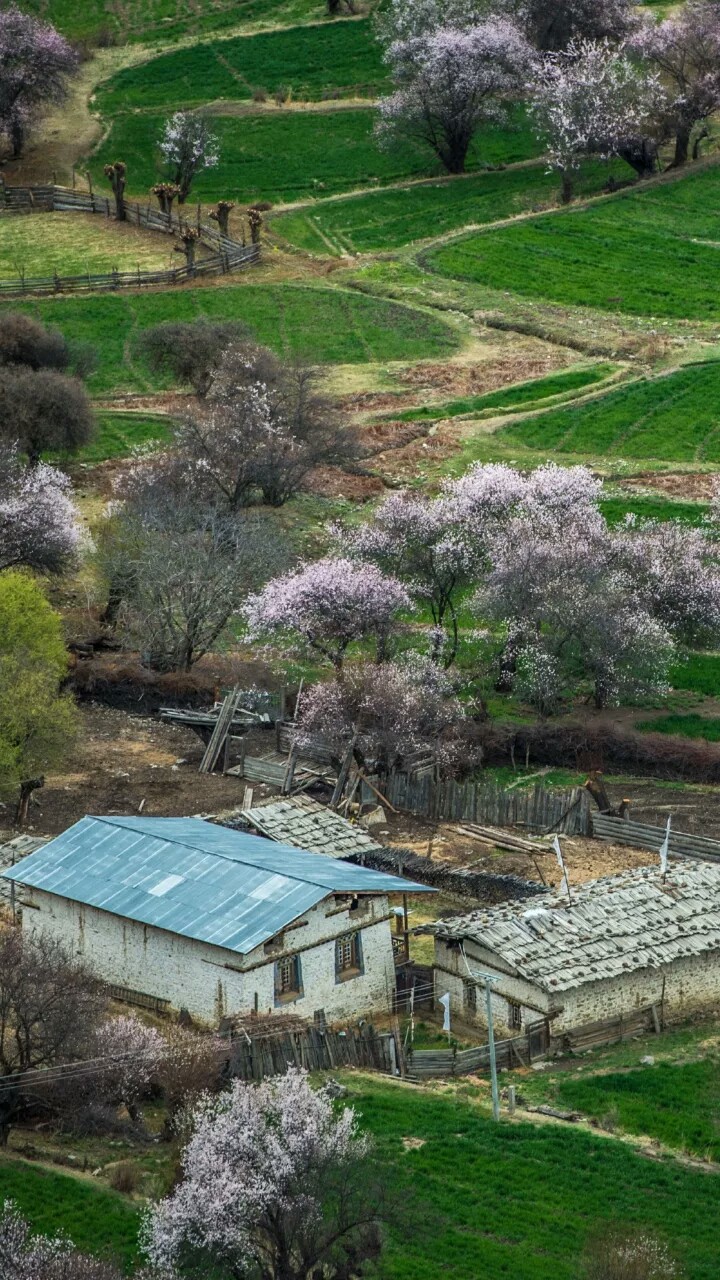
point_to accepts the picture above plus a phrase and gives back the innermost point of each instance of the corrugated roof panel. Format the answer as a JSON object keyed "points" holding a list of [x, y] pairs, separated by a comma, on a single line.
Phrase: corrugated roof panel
{"points": [[192, 878]]}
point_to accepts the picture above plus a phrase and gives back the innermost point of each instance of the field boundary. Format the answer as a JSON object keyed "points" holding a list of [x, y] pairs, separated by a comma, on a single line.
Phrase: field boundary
{"points": [[226, 255]]}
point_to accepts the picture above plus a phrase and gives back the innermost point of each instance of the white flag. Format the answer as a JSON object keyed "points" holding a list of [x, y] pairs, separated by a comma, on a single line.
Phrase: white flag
{"points": [[564, 882], [665, 849], [445, 1002]]}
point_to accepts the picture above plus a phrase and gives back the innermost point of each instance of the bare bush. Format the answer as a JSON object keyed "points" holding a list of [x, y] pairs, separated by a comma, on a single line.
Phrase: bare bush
{"points": [[190, 351], [125, 1177], [24, 341], [44, 411], [629, 1255]]}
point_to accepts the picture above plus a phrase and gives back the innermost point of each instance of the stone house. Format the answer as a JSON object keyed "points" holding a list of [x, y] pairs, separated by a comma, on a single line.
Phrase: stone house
{"points": [[622, 943], [185, 914]]}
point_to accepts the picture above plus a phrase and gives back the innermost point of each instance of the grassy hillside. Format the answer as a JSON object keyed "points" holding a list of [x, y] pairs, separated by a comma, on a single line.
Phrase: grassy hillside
{"points": [[72, 244], [508, 399], [650, 251], [324, 325], [167, 19], [672, 418], [342, 58], [282, 155], [389, 219]]}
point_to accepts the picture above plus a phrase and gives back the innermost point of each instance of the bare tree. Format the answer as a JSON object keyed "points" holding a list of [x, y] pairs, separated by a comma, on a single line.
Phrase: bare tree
{"points": [[49, 1008], [24, 341], [44, 411], [191, 351]]}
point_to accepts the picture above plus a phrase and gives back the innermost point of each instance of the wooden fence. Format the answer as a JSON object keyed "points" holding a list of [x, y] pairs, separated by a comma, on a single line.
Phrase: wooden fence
{"points": [[641, 836], [315, 1049], [519, 1051], [540, 808], [225, 255]]}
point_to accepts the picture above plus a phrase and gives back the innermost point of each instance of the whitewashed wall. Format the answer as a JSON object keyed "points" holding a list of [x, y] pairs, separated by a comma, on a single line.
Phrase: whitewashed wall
{"points": [[196, 976]]}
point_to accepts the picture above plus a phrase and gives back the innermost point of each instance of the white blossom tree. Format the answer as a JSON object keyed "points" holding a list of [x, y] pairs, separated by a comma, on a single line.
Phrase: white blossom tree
{"points": [[325, 606], [276, 1185], [188, 146], [451, 80], [35, 65], [685, 49], [24, 1256], [592, 99], [130, 1053], [551, 26], [39, 526]]}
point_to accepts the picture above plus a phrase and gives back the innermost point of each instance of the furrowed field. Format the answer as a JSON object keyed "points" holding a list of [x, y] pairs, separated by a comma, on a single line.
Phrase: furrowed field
{"points": [[330, 326], [650, 251], [521, 395], [472, 1199]]}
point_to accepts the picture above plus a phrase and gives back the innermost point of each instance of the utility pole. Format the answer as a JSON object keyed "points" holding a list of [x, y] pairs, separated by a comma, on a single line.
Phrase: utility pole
{"points": [[491, 1047]]}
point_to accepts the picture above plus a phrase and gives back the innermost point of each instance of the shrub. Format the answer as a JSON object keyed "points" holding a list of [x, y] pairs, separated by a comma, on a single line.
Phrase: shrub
{"points": [[125, 1177]]}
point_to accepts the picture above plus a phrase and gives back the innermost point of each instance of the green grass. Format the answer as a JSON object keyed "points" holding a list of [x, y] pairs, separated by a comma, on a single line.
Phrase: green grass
{"points": [[97, 1221], [73, 244], [691, 725], [284, 155], [167, 19], [653, 251], [698, 673], [677, 1104], [324, 325], [119, 433], [342, 57], [653, 507], [391, 219], [672, 418], [508, 399]]}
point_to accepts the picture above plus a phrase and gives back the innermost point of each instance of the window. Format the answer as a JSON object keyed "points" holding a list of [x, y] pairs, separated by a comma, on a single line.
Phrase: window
{"points": [[514, 1015], [470, 996], [288, 981], [348, 956]]}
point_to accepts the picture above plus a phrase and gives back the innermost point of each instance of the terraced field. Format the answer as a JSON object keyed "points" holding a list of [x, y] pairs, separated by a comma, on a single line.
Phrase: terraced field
{"points": [[329, 326], [167, 19], [341, 57], [521, 395], [651, 251], [283, 155], [390, 219], [675, 418]]}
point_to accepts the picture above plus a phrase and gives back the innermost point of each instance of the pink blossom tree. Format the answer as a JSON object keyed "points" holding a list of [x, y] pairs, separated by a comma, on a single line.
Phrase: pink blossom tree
{"points": [[27, 1257], [591, 99], [407, 19], [325, 606], [39, 526], [552, 26], [130, 1053], [449, 81], [35, 65], [685, 50], [188, 146], [387, 713], [276, 1185], [675, 573]]}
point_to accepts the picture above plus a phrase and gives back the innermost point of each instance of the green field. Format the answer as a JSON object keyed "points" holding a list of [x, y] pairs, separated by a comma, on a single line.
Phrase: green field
{"points": [[650, 251], [672, 418], [508, 399], [97, 1220], [342, 58], [75, 243], [473, 1200], [119, 433], [167, 19], [651, 507], [323, 325], [282, 154], [684, 726], [390, 219], [677, 1103], [698, 673]]}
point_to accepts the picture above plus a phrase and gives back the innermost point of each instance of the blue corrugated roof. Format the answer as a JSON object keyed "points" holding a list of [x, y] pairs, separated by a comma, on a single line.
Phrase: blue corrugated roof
{"points": [[188, 876]]}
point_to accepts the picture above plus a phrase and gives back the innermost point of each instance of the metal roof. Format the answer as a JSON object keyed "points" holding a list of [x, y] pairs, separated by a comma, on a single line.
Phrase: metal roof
{"points": [[612, 926], [185, 875], [306, 824]]}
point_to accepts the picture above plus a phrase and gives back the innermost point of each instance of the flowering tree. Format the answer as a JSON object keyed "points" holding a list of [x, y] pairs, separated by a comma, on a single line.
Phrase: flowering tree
{"points": [[591, 99], [387, 713], [132, 1052], [552, 26], [449, 81], [407, 19], [188, 146], [27, 1257], [38, 523], [276, 1186], [675, 572], [35, 63], [685, 49], [325, 606]]}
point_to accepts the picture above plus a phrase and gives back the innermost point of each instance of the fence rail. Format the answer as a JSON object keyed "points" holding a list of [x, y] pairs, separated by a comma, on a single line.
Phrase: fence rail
{"points": [[225, 254], [641, 836], [518, 1051], [539, 808], [256, 1057]]}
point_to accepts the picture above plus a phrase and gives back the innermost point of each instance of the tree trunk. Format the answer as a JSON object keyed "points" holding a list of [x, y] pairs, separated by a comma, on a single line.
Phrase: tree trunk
{"points": [[26, 789], [17, 138], [109, 616], [682, 146], [566, 193]]}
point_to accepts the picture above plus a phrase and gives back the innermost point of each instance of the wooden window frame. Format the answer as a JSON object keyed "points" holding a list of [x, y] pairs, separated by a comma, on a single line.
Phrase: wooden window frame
{"points": [[284, 993], [515, 1015], [348, 956]]}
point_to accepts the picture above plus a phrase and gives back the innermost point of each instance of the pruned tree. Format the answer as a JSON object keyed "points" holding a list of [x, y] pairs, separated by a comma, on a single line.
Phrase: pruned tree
{"points": [[25, 341], [387, 714], [277, 1185], [43, 411], [189, 239], [449, 81], [24, 1256], [39, 526], [36, 63], [191, 350], [167, 193], [685, 49], [592, 99], [116, 175], [188, 146], [326, 606], [221, 215], [49, 1010]]}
